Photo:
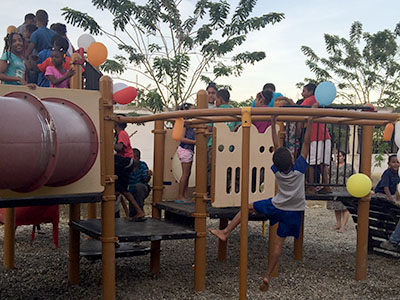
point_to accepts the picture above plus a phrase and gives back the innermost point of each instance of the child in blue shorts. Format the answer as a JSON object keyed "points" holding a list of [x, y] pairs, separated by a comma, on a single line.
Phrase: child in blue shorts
{"points": [[287, 205]]}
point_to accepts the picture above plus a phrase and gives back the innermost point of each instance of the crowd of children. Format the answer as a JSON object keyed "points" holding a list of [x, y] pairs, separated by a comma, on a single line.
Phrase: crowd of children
{"points": [[36, 55]]}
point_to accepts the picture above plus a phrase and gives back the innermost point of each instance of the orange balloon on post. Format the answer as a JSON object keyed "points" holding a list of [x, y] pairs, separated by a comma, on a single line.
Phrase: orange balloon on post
{"points": [[178, 129], [387, 134], [97, 54], [11, 29]]}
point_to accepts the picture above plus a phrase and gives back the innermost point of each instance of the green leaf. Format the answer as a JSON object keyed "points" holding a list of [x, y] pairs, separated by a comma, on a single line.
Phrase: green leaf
{"points": [[113, 67], [82, 20]]}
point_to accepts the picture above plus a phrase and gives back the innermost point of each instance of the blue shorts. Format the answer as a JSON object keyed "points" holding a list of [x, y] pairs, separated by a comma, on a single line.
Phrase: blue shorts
{"points": [[289, 221]]}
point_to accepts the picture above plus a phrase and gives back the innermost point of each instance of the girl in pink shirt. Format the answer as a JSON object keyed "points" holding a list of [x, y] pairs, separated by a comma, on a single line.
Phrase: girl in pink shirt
{"points": [[56, 74]]}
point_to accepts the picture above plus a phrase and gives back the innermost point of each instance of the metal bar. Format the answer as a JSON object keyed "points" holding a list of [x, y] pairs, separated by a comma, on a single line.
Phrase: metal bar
{"points": [[74, 209], [158, 181], [280, 111], [200, 200], [246, 123], [107, 238]]}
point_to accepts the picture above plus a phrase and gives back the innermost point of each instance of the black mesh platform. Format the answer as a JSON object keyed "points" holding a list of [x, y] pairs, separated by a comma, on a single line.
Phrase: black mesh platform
{"points": [[187, 210], [51, 200], [91, 249], [127, 231]]}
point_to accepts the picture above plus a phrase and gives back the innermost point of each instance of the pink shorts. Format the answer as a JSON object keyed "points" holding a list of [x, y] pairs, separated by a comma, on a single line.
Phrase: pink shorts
{"points": [[185, 155]]}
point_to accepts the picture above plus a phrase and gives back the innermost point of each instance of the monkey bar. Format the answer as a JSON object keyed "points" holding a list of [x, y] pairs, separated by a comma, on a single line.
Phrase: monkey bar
{"points": [[200, 117]]}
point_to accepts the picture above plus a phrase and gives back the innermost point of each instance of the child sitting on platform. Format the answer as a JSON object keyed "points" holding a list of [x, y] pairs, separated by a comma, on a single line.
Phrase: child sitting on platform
{"points": [[287, 205], [123, 164], [386, 187]]}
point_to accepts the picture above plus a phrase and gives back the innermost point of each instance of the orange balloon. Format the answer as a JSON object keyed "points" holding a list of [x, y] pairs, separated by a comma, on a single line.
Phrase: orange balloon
{"points": [[11, 29], [387, 134], [178, 129], [97, 54]]}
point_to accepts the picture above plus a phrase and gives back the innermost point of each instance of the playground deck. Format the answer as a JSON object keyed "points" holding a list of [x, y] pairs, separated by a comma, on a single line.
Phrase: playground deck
{"points": [[50, 200], [127, 231]]}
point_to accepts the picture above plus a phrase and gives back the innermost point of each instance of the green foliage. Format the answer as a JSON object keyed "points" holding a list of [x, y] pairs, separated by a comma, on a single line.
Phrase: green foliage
{"points": [[245, 103], [364, 67], [379, 146], [174, 52]]}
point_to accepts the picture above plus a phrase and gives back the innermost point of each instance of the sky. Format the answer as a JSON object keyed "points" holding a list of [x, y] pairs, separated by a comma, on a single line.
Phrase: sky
{"points": [[305, 23]]}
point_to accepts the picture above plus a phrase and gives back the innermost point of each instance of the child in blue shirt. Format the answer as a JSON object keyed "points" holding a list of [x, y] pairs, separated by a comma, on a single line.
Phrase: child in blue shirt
{"points": [[390, 179], [287, 205], [12, 63]]}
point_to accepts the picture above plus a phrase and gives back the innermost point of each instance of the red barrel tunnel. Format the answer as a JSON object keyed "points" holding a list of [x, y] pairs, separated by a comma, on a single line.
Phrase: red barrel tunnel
{"points": [[48, 141]]}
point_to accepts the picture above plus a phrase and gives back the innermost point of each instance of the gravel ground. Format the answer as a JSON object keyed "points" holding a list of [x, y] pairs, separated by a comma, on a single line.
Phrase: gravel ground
{"points": [[326, 272]]}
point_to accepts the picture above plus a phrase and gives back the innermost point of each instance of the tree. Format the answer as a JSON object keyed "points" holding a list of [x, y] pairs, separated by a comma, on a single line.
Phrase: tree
{"points": [[174, 53], [364, 67]]}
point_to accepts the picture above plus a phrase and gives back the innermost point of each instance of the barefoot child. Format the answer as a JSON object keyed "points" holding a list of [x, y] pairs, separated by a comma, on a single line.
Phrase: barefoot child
{"points": [[287, 205], [123, 164]]}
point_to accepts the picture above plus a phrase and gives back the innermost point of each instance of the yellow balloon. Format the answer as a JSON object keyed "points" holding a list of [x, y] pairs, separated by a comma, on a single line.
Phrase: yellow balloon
{"points": [[359, 185]]}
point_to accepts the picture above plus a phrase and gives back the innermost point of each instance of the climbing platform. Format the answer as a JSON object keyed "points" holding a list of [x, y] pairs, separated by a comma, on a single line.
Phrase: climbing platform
{"points": [[91, 249], [127, 231], [50, 200]]}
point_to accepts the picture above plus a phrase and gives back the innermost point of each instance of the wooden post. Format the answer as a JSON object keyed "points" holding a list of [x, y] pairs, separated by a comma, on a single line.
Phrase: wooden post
{"points": [[363, 206], [158, 186], [200, 214], [246, 123], [74, 245], [107, 238], [9, 238], [74, 209], [222, 245]]}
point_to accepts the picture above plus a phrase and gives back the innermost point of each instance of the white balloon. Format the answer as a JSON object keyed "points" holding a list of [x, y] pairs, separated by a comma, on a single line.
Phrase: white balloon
{"points": [[398, 187], [397, 134], [398, 158], [85, 40], [119, 86]]}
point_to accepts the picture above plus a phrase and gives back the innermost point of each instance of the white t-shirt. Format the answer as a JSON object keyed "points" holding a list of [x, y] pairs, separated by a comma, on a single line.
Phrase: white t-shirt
{"points": [[291, 194]]}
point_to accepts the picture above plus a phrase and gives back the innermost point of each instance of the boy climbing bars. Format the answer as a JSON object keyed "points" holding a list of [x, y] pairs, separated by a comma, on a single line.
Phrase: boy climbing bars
{"points": [[287, 205]]}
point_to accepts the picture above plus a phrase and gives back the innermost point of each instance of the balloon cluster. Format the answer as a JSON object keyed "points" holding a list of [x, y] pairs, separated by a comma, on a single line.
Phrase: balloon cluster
{"points": [[96, 52], [325, 93], [123, 94]]}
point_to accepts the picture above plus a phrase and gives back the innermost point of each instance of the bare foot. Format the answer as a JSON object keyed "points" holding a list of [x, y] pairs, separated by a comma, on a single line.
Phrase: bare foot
{"points": [[341, 230], [140, 215], [219, 234], [264, 285], [335, 228]]}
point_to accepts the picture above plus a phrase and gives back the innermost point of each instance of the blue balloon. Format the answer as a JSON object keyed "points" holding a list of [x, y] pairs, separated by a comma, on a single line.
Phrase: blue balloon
{"points": [[325, 93]]}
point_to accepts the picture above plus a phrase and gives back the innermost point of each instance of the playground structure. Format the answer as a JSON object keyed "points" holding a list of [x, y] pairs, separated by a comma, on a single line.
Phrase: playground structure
{"points": [[100, 179]]}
